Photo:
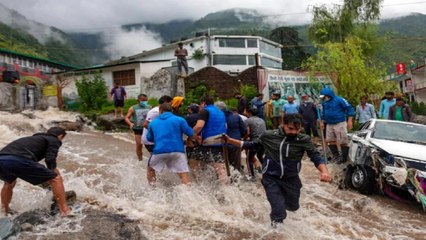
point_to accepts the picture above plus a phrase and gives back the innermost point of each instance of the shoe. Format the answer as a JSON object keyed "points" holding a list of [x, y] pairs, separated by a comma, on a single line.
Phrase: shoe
{"points": [[275, 224]]}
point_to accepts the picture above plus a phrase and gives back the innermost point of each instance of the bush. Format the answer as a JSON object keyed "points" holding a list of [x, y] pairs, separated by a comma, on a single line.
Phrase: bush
{"points": [[249, 91], [418, 108], [92, 91]]}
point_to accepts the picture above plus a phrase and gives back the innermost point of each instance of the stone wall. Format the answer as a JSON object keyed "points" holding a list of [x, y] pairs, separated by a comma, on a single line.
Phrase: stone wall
{"points": [[158, 84], [166, 82], [7, 97]]}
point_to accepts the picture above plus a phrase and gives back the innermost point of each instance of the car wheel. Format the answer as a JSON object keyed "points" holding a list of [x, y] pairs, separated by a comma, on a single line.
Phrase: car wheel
{"points": [[347, 181], [363, 179]]}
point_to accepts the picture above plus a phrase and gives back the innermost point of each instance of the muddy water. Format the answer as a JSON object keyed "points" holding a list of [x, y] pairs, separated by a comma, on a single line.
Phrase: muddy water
{"points": [[103, 170]]}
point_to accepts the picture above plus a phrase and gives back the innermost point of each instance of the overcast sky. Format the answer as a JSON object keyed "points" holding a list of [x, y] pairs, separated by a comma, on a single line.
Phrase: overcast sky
{"points": [[107, 16], [99, 15]]}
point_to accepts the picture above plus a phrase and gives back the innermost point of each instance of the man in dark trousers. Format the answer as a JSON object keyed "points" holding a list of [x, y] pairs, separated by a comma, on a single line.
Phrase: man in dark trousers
{"points": [[309, 115], [19, 159], [118, 94], [181, 54], [284, 149], [235, 129], [242, 103]]}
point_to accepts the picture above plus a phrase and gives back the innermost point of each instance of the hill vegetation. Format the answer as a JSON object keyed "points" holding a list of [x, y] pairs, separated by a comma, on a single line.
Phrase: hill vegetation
{"points": [[406, 37]]}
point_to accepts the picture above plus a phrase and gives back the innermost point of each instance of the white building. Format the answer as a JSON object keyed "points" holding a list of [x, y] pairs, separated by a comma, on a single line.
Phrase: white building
{"points": [[231, 54]]}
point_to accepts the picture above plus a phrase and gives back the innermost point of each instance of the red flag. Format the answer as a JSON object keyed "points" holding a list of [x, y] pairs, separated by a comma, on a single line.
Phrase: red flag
{"points": [[400, 68]]}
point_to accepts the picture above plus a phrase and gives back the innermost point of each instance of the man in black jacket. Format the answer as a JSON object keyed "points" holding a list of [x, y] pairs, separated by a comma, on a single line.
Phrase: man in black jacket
{"points": [[19, 159], [284, 148]]}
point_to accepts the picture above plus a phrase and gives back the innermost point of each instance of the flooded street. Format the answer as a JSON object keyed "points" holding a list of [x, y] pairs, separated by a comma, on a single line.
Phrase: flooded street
{"points": [[103, 170]]}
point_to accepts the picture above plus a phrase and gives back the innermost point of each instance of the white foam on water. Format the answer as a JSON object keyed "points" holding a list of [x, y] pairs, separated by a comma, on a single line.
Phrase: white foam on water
{"points": [[103, 170]]}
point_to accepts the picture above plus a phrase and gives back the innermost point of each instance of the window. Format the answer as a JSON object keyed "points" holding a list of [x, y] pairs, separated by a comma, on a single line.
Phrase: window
{"points": [[229, 60], [125, 77], [251, 60], [267, 62], [232, 42], [270, 49], [252, 43]]}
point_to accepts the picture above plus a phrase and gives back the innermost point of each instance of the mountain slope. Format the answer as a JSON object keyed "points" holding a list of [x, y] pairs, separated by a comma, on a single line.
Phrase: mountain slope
{"points": [[26, 36]]}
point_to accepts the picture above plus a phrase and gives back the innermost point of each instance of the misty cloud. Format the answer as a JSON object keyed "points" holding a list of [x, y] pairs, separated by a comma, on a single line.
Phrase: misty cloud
{"points": [[120, 42], [42, 32], [99, 15]]}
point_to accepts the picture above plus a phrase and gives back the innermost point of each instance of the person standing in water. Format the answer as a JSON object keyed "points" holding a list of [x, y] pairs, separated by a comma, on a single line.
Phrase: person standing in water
{"points": [[169, 152], [135, 118]]}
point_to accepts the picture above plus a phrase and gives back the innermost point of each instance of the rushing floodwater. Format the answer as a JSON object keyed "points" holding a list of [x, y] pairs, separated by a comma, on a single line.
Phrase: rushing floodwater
{"points": [[103, 170]]}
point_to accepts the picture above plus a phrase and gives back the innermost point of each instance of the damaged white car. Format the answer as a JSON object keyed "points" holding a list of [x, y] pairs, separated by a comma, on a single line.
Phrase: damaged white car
{"points": [[389, 157]]}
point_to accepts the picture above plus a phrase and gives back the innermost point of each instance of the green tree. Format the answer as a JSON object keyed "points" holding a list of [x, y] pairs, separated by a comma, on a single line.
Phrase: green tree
{"points": [[352, 72], [292, 54], [334, 25], [92, 91]]}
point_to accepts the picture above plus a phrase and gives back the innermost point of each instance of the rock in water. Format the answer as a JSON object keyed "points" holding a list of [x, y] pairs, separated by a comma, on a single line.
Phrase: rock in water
{"points": [[97, 224], [26, 227], [8, 228]]}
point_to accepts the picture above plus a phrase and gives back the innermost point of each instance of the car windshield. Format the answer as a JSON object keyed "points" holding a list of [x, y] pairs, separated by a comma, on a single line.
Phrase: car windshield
{"points": [[400, 131]]}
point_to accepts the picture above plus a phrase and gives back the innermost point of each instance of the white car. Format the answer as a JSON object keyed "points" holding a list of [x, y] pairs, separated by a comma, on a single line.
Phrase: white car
{"points": [[386, 154]]}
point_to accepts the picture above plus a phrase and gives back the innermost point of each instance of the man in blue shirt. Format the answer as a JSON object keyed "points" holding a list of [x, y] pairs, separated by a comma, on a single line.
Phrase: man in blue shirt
{"points": [[386, 104], [364, 111], [166, 131], [290, 107], [335, 111], [258, 103]]}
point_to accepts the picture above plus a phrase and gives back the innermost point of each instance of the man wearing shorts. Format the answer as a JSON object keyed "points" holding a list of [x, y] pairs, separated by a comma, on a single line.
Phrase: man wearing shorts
{"points": [[152, 114], [335, 111], [118, 93], [135, 118], [169, 152], [210, 125], [19, 159]]}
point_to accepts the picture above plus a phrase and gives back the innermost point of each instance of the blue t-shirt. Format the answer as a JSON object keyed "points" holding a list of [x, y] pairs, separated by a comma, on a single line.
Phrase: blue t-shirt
{"points": [[291, 108]]}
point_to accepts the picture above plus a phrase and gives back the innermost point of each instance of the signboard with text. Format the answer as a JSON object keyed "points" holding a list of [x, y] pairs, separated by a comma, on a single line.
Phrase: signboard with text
{"points": [[296, 84], [50, 90]]}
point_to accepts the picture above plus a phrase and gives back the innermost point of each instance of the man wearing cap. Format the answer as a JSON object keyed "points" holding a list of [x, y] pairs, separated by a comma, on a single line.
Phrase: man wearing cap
{"points": [[235, 129], [336, 110], [192, 116], [400, 111], [181, 54], [177, 103], [308, 111], [19, 159]]}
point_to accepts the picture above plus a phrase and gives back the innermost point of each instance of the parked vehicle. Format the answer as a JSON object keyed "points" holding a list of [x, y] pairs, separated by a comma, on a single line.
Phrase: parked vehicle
{"points": [[386, 154]]}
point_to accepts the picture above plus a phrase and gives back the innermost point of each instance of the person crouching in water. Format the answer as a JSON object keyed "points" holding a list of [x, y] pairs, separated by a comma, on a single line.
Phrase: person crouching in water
{"points": [[166, 131], [284, 149], [19, 159]]}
